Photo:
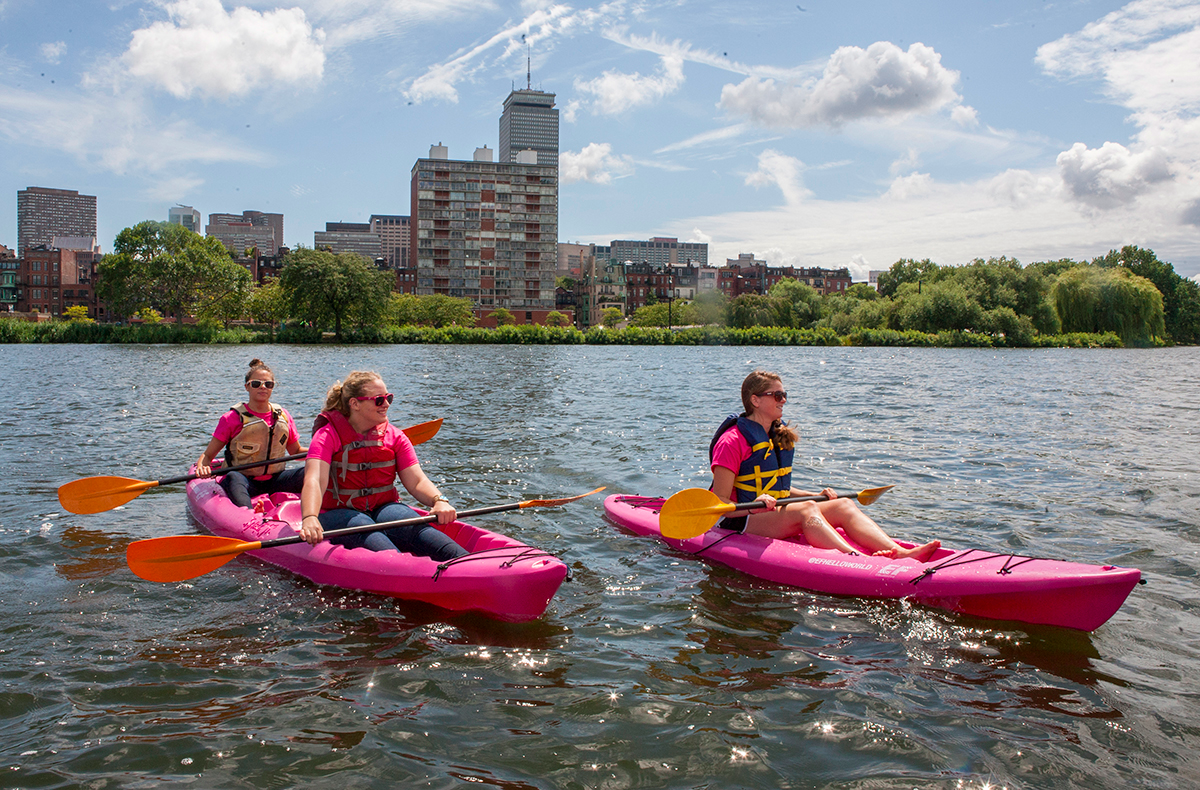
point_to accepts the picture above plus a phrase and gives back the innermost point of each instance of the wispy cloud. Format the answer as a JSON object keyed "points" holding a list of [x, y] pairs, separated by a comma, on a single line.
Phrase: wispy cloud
{"points": [[595, 163]]}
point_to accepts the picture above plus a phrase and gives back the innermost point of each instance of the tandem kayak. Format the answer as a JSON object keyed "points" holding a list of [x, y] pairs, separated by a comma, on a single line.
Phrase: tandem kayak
{"points": [[971, 581], [501, 577]]}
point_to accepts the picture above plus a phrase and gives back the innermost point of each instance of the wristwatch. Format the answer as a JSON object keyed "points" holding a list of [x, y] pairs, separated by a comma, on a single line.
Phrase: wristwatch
{"points": [[439, 498]]}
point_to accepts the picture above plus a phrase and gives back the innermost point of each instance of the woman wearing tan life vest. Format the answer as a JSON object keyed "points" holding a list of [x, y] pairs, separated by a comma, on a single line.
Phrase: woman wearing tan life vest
{"points": [[257, 430]]}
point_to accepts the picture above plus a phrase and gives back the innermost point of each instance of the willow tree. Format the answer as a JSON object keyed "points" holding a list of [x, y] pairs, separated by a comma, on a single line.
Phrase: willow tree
{"points": [[1096, 299]]}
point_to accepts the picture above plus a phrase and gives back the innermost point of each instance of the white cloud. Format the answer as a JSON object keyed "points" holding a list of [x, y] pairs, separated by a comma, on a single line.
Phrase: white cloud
{"points": [[595, 163], [910, 186], [52, 52], [965, 116], [1191, 213], [699, 237], [882, 81], [205, 49], [1020, 188], [1111, 175], [910, 160], [785, 172], [615, 92]]}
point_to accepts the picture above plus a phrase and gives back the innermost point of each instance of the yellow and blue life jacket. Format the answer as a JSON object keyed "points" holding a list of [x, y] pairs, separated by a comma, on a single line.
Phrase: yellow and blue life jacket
{"points": [[768, 469]]}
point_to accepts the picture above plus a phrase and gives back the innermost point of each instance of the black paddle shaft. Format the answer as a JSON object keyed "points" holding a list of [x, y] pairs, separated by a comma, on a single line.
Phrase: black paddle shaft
{"points": [[224, 470], [404, 522]]}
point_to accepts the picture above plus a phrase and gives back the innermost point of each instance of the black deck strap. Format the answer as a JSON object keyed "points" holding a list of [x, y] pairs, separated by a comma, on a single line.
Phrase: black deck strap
{"points": [[521, 553], [955, 560], [714, 543], [649, 502]]}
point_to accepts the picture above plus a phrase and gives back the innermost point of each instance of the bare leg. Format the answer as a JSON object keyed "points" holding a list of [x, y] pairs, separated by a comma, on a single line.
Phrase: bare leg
{"points": [[860, 528], [787, 522]]}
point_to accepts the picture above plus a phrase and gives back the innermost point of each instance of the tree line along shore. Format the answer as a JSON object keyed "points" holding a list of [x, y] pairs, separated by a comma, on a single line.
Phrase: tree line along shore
{"points": [[1125, 298]]}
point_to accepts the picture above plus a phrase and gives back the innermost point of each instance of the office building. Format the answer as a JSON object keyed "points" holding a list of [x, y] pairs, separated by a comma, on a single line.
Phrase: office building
{"points": [[529, 122], [661, 251], [355, 237], [395, 236], [186, 216], [248, 230], [45, 213], [486, 231]]}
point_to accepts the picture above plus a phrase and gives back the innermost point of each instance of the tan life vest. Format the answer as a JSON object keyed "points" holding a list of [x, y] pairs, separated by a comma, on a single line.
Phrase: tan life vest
{"points": [[257, 441]]}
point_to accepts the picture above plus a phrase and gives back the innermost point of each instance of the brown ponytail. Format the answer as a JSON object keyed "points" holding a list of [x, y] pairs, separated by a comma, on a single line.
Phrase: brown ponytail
{"points": [[339, 395], [258, 364]]}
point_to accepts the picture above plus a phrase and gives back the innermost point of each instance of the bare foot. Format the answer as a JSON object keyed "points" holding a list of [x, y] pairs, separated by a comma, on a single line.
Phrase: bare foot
{"points": [[919, 553]]}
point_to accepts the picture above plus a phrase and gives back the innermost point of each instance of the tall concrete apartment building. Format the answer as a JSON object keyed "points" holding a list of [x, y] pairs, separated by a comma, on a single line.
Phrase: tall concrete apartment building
{"points": [[486, 231], [529, 122], [186, 216], [45, 213]]}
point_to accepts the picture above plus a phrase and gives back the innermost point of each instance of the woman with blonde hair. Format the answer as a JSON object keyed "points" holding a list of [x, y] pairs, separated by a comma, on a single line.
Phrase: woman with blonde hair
{"points": [[349, 478], [257, 430], [751, 457]]}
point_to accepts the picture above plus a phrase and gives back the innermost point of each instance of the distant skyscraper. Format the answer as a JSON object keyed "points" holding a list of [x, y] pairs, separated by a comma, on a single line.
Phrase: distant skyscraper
{"points": [[529, 121], [45, 213], [186, 216]]}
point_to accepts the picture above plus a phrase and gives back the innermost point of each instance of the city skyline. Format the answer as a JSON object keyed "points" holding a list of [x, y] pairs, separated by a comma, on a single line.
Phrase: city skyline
{"points": [[803, 134]]}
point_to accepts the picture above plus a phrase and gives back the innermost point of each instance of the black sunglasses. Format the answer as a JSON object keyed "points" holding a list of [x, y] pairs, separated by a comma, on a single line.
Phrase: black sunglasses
{"points": [[256, 383], [779, 395]]}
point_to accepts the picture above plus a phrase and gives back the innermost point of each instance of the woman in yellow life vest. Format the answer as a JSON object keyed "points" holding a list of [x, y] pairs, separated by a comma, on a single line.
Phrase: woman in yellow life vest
{"points": [[256, 430], [751, 458]]}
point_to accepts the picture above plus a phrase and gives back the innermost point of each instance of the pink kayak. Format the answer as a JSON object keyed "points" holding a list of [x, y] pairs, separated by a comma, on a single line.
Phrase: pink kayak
{"points": [[501, 577], [972, 581]]}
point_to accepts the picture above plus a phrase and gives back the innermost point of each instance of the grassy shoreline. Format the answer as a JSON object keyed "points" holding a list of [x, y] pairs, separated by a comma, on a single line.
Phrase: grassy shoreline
{"points": [[13, 331]]}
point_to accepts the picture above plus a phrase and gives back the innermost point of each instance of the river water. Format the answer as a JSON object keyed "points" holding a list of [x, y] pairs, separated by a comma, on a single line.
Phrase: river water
{"points": [[649, 669]]}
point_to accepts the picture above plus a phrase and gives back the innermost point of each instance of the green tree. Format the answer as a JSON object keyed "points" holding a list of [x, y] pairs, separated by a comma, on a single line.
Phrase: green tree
{"points": [[1181, 297], [798, 304], [267, 304], [611, 317], [753, 310], [555, 318], [906, 270], [678, 313], [78, 314], [172, 269], [439, 310], [1098, 299], [148, 315], [936, 307], [710, 307], [324, 288], [1003, 282], [503, 316]]}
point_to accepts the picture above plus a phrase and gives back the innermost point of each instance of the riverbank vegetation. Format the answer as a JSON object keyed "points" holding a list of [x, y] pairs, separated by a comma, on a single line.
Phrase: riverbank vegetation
{"points": [[1126, 298]]}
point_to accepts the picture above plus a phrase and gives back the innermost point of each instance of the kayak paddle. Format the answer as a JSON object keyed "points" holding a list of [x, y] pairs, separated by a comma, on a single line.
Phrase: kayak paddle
{"points": [[98, 494], [181, 557], [694, 511]]}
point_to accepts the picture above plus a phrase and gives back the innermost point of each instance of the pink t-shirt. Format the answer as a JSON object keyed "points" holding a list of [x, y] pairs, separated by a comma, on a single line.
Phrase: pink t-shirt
{"points": [[325, 443], [730, 450], [230, 425]]}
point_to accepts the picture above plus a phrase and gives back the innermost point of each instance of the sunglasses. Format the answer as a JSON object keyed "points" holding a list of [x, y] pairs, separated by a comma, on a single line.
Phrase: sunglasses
{"points": [[379, 399], [779, 395], [256, 383]]}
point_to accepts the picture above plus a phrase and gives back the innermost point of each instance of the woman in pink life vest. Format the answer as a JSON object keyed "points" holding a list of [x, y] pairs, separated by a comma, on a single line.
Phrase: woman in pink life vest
{"points": [[349, 478], [256, 430]]}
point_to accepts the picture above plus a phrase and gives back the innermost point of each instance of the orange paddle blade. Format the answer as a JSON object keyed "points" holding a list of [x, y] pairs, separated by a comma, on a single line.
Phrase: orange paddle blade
{"points": [[868, 495], [97, 494], [423, 432], [691, 512], [180, 557], [557, 502]]}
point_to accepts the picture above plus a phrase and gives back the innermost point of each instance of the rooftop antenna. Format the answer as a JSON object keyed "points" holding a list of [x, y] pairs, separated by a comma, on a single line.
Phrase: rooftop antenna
{"points": [[528, 65]]}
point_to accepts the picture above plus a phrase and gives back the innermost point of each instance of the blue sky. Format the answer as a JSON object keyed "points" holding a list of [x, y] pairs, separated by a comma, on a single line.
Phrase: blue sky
{"points": [[813, 133]]}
